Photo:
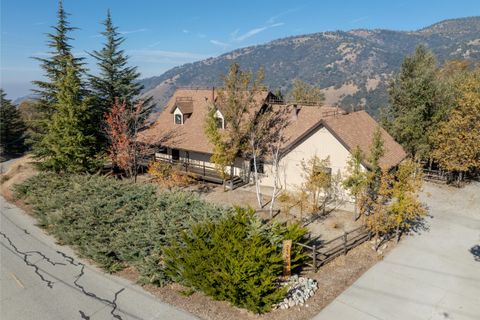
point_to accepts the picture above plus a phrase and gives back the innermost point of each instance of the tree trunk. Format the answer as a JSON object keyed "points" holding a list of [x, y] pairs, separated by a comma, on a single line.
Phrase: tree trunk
{"points": [[275, 161], [232, 168], [257, 183], [355, 209]]}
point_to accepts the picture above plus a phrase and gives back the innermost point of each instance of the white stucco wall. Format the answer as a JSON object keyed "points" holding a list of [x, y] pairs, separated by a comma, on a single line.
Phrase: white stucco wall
{"points": [[321, 143]]}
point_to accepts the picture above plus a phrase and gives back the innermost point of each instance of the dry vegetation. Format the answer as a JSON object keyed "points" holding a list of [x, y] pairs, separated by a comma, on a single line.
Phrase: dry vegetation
{"points": [[17, 171]]}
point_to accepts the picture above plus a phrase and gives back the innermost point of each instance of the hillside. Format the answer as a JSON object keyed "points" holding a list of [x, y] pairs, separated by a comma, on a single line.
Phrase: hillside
{"points": [[353, 66]]}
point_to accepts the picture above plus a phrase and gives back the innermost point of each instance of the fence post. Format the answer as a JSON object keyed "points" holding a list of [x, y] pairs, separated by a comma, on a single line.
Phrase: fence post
{"points": [[314, 257], [344, 242]]}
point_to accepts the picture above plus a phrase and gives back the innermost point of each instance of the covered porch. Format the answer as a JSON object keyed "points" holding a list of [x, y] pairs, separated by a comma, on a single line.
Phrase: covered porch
{"points": [[199, 166]]}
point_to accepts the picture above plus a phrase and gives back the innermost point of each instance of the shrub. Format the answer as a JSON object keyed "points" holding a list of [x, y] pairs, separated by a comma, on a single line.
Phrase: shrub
{"points": [[169, 176], [236, 258], [113, 222]]}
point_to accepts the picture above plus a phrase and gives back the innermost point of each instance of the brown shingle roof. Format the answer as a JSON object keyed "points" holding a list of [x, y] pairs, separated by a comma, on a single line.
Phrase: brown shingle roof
{"points": [[350, 129], [185, 106], [191, 135], [357, 129]]}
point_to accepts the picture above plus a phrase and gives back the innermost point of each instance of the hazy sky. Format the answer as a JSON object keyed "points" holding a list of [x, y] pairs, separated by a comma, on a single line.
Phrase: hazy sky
{"points": [[164, 34]]}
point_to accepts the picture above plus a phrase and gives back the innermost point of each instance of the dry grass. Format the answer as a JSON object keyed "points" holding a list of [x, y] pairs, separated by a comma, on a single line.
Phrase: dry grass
{"points": [[18, 170]]}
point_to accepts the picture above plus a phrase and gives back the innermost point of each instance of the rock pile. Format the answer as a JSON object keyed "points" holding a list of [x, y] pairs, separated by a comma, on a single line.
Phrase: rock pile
{"points": [[300, 289]]}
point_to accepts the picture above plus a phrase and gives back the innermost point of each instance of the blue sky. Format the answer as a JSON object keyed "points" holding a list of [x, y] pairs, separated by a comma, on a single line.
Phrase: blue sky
{"points": [[164, 34]]}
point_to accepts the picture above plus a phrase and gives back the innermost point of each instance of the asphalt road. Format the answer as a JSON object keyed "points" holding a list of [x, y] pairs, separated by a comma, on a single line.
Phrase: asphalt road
{"points": [[41, 280], [433, 275]]}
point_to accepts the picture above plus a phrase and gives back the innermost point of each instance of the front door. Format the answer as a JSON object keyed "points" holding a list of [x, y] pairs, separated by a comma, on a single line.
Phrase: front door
{"points": [[175, 154]]}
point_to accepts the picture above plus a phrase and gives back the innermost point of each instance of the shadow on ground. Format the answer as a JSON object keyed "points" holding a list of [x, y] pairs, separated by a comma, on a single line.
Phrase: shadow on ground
{"points": [[475, 251]]}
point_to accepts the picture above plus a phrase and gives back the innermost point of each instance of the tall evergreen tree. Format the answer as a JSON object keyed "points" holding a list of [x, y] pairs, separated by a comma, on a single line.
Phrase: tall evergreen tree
{"points": [[68, 144], [12, 127], [116, 80], [415, 99], [53, 67]]}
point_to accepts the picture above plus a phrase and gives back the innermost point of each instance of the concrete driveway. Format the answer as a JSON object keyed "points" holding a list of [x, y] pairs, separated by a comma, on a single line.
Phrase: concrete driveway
{"points": [[41, 280], [432, 275]]}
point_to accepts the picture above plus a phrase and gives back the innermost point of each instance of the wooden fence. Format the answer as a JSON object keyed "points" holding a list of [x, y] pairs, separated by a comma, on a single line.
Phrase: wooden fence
{"points": [[322, 253], [436, 176]]}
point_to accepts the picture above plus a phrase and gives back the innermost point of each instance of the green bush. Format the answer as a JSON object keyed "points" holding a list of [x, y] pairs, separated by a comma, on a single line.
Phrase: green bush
{"points": [[236, 258], [229, 255], [113, 222]]}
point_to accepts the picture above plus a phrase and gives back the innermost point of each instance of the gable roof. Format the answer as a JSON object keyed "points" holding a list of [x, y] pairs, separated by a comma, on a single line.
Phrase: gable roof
{"points": [[352, 130], [184, 105], [191, 135], [357, 129]]}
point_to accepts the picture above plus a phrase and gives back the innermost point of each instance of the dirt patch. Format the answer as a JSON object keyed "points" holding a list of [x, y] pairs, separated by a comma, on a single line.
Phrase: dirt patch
{"points": [[332, 278], [17, 171], [334, 95]]}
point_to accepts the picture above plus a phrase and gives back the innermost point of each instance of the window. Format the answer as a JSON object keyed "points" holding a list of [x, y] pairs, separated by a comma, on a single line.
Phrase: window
{"points": [[178, 119], [260, 168], [219, 122], [175, 154]]}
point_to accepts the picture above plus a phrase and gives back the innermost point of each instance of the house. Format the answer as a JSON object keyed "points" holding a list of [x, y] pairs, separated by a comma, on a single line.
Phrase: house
{"points": [[178, 136]]}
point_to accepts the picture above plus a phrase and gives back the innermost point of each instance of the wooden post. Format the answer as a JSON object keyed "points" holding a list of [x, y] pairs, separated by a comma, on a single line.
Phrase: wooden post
{"points": [[314, 257], [287, 251], [344, 242]]}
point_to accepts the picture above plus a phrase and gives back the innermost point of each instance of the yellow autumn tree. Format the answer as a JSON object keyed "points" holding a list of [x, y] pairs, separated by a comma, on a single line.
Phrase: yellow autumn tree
{"points": [[456, 141], [317, 176], [406, 210], [377, 220]]}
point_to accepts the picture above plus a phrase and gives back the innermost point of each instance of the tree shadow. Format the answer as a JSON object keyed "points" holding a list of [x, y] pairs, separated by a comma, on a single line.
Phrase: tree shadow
{"points": [[475, 251], [421, 225], [203, 188]]}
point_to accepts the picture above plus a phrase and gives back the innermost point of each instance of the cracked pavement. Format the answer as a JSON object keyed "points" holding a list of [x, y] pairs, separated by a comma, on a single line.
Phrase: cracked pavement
{"points": [[42, 280]]}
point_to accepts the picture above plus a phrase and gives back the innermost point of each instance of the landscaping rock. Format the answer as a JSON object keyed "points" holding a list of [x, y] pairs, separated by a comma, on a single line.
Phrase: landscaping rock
{"points": [[300, 289]]}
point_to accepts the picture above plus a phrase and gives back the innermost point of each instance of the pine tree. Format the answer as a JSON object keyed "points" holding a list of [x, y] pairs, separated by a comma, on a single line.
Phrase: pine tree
{"points": [[116, 79], [54, 67], [12, 127], [415, 99], [68, 145]]}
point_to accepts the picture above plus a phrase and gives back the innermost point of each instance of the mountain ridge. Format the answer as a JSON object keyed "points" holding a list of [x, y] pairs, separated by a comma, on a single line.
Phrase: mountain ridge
{"points": [[353, 67]]}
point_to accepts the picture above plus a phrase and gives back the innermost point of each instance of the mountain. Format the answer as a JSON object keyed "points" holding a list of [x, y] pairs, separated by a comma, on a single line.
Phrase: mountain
{"points": [[353, 66], [31, 96]]}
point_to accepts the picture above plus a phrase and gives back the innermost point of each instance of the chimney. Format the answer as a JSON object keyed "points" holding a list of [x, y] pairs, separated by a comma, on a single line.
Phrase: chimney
{"points": [[295, 112]]}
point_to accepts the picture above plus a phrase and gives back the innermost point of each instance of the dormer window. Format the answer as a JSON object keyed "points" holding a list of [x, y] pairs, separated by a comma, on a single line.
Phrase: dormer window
{"points": [[182, 109], [219, 120], [178, 118]]}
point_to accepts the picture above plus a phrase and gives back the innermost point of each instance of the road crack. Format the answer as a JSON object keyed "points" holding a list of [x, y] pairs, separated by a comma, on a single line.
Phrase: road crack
{"points": [[27, 254], [71, 261], [112, 303]]}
